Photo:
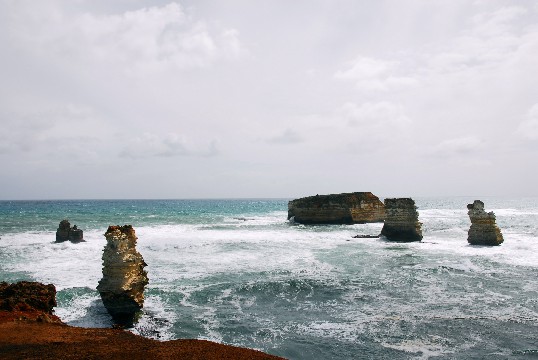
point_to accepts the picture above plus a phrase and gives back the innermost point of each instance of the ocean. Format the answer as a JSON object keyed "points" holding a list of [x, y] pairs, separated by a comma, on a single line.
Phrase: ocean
{"points": [[237, 272]]}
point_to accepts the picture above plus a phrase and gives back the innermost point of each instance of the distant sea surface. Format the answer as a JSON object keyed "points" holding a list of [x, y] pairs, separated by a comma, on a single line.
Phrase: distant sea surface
{"points": [[237, 272]]}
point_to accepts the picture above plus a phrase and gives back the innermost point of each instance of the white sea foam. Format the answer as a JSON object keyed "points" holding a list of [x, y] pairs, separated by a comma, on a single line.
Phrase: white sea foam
{"points": [[423, 349], [342, 288]]}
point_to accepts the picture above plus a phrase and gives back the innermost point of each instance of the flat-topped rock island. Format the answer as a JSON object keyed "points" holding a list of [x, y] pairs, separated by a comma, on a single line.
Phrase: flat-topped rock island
{"points": [[346, 208]]}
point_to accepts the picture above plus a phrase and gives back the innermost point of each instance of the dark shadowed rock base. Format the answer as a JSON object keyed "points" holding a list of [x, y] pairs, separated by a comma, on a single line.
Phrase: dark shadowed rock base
{"points": [[401, 220], [483, 230], [351, 208]]}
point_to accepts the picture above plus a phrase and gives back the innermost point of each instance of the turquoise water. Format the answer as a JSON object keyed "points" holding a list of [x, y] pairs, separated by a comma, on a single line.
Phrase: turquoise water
{"points": [[236, 271]]}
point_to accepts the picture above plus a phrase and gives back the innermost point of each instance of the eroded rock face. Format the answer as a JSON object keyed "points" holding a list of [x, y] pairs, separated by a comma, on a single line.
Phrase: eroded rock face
{"points": [[31, 300], [401, 220], [483, 230], [66, 232], [350, 208], [62, 234], [124, 277]]}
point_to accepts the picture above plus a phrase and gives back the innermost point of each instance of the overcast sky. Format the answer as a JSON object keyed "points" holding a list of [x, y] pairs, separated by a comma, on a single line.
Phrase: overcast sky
{"points": [[226, 99]]}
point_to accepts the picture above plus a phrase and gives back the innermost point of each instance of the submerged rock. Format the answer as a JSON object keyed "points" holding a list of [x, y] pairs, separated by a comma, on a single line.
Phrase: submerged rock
{"points": [[124, 277], [401, 220], [349, 208], [483, 230], [66, 232]]}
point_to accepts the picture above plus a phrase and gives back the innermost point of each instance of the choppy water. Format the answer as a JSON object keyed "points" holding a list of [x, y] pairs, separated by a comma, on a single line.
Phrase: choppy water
{"points": [[235, 271]]}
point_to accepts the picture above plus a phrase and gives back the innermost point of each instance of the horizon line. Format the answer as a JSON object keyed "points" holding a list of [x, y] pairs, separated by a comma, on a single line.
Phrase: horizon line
{"points": [[251, 198]]}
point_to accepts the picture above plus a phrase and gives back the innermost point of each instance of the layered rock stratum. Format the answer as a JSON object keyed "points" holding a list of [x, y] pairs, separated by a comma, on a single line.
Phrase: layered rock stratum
{"points": [[401, 220], [348, 208], [66, 232], [25, 333], [124, 277], [483, 230]]}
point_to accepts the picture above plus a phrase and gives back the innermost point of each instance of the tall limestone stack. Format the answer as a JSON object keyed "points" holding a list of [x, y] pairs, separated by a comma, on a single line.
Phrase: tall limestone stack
{"points": [[483, 230], [401, 220], [350, 208], [124, 277]]}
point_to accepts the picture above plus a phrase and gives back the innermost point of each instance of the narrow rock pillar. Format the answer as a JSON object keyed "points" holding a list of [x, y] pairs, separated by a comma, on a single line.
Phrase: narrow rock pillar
{"points": [[124, 277], [483, 230]]}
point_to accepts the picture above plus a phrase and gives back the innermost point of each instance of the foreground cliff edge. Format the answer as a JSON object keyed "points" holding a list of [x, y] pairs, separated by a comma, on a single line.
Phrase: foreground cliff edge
{"points": [[30, 330]]}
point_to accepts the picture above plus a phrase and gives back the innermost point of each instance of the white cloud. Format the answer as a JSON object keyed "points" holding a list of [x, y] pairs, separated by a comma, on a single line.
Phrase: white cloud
{"points": [[371, 74], [378, 114], [497, 22], [492, 41], [365, 68], [147, 39], [170, 145], [528, 128]]}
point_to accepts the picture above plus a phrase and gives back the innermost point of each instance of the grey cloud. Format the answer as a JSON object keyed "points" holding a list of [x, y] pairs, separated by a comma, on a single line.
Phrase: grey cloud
{"points": [[374, 115], [528, 128], [288, 136], [170, 145], [46, 129], [458, 147], [427, 85]]}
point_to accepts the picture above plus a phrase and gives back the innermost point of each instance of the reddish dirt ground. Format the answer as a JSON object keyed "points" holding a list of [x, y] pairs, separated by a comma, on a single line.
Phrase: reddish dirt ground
{"points": [[25, 335]]}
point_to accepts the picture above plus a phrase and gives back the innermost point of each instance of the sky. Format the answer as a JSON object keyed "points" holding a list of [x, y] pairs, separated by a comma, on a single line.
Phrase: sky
{"points": [[259, 99]]}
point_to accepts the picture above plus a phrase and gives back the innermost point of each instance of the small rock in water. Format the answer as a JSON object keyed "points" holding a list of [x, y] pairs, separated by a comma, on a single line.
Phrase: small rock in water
{"points": [[401, 220], [483, 230], [66, 232]]}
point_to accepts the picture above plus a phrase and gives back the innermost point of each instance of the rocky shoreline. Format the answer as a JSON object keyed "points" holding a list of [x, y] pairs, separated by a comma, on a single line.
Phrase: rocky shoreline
{"points": [[30, 330]]}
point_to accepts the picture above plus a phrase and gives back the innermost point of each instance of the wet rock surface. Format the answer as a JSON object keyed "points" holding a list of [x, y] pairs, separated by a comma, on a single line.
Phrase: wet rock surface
{"points": [[124, 277], [348, 208], [483, 230], [65, 232], [401, 220]]}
